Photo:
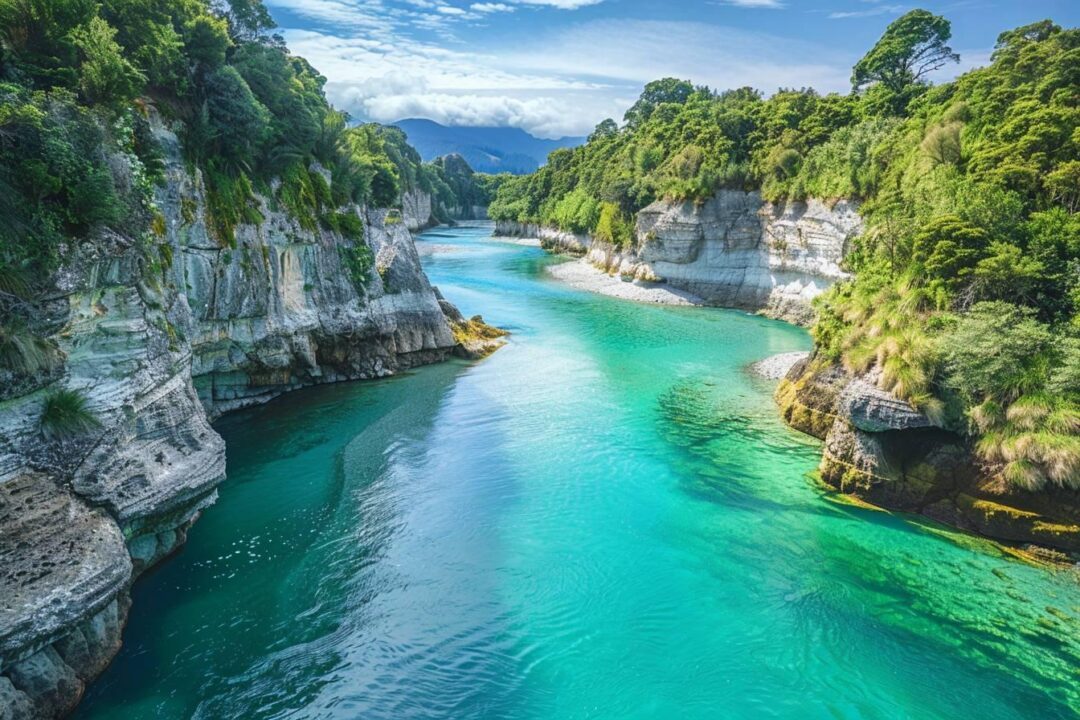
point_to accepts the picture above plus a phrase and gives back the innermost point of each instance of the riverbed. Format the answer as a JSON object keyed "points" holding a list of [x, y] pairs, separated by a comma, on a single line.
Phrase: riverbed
{"points": [[605, 519]]}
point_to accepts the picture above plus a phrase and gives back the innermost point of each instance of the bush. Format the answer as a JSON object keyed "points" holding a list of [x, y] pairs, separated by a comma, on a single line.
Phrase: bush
{"points": [[998, 352], [613, 227], [359, 262]]}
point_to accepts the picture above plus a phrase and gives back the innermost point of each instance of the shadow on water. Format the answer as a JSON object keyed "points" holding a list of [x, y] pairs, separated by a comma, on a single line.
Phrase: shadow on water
{"points": [[606, 519], [257, 589]]}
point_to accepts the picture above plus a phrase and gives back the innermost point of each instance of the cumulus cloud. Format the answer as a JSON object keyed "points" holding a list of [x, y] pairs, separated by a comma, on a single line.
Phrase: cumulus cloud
{"points": [[561, 82], [487, 7]]}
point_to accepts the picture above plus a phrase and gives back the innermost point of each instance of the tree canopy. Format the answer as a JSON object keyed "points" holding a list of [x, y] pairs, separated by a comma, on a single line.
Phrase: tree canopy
{"points": [[969, 192], [914, 45]]}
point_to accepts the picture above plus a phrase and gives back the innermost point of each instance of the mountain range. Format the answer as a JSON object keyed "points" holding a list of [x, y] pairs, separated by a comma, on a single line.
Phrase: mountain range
{"points": [[486, 149]]}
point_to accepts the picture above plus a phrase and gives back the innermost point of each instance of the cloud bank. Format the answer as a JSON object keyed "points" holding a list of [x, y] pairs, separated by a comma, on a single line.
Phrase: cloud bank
{"points": [[562, 82]]}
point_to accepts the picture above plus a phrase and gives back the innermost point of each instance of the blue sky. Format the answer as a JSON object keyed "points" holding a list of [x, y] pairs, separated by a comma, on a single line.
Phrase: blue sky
{"points": [[556, 67]]}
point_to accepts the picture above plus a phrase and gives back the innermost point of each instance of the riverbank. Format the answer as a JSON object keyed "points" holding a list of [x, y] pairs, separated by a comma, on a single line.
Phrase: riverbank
{"points": [[582, 275], [606, 514]]}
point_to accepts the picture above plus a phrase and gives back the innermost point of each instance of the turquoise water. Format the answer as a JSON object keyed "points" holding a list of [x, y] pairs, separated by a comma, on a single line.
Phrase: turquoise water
{"points": [[605, 519]]}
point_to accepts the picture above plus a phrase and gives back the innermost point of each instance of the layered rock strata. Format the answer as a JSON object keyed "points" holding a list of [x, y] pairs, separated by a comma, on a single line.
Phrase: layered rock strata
{"points": [[733, 250], [159, 337], [882, 450]]}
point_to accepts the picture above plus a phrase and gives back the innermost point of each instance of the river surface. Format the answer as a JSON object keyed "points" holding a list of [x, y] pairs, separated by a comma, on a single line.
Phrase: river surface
{"points": [[605, 519]]}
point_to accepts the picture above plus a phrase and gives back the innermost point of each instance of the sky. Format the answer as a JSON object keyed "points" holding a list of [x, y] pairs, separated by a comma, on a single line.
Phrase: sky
{"points": [[558, 67]]}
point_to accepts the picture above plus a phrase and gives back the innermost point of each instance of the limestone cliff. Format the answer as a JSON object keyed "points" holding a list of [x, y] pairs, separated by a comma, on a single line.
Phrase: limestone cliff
{"points": [[881, 449], [733, 250], [159, 338]]}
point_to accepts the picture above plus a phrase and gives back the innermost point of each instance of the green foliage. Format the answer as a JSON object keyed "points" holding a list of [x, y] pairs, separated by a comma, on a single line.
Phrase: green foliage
{"points": [[613, 227], [577, 211], [65, 415], [22, 351], [358, 261], [58, 183], [230, 201], [945, 251], [238, 122], [998, 352], [657, 93], [105, 76], [912, 46]]}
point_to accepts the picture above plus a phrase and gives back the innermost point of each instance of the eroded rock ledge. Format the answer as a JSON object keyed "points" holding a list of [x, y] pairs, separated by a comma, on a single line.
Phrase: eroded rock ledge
{"points": [[733, 250], [882, 450], [159, 343]]}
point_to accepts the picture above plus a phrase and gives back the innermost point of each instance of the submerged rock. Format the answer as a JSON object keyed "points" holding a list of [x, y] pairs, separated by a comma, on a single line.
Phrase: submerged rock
{"points": [[881, 449]]}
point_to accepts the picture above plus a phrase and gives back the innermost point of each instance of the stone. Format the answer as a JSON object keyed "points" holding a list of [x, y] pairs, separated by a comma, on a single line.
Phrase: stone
{"points": [[881, 450], [872, 409], [732, 250], [213, 329]]}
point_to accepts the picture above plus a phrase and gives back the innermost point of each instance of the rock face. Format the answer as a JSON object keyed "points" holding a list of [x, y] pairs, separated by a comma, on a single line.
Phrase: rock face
{"points": [[159, 337], [881, 449], [734, 250], [417, 210]]}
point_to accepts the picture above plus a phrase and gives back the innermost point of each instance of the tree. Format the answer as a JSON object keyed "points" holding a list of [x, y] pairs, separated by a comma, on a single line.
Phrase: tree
{"points": [[607, 128], [998, 352], [658, 92], [105, 75], [911, 47], [248, 19], [35, 38], [238, 121], [947, 249], [207, 41]]}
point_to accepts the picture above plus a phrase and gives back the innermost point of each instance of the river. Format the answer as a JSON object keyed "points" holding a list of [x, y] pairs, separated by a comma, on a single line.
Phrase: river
{"points": [[605, 519]]}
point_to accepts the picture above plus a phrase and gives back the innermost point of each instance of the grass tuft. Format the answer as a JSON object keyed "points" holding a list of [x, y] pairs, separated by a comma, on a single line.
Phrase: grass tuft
{"points": [[66, 415]]}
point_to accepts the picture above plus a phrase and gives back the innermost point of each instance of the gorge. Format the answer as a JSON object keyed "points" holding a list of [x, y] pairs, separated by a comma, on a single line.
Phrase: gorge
{"points": [[616, 515], [470, 541]]}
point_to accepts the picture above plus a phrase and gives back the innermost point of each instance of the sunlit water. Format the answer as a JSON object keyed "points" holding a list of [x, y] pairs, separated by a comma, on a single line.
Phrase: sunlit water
{"points": [[603, 520]]}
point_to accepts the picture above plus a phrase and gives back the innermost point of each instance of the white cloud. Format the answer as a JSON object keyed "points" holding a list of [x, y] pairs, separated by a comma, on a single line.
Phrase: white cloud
{"points": [[561, 82], [770, 4], [871, 12], [636, 51], [561, 4], [487, 7]]}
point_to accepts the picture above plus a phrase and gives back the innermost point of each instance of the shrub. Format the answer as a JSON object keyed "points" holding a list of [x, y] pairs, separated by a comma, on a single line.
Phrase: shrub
{"points": [[613, 227], [358, 261], [998, 352]]}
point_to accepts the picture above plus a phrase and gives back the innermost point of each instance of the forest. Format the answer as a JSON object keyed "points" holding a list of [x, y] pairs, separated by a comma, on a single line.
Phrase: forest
{"points": [[966, 282], [77, 76]]}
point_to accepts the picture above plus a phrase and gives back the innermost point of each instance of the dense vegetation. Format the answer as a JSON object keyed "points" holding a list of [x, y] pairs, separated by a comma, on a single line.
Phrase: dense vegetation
{"points": [[966, 283], [82, 83], [79, 80]]}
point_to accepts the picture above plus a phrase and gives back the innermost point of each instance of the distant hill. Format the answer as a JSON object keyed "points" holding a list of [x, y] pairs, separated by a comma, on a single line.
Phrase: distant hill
{"points": [[486, 149]]}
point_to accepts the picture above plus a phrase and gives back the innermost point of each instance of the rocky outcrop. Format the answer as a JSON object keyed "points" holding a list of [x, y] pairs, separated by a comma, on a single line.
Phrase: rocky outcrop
{"points": [[475, 338], [882, 450], [418, 210], [159, 335], [733, 250]]}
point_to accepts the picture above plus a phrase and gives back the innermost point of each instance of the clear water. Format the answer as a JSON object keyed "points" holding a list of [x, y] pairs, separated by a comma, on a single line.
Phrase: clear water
{"points": [[603, 520]]}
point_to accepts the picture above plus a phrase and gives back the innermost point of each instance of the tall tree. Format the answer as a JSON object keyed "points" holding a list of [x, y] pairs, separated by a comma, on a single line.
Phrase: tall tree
{"points": [[913, 46], [658, 92]]}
